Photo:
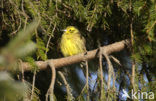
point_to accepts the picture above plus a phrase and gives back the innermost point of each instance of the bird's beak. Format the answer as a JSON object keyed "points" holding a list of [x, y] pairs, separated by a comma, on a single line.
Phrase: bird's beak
{"points": [[64, 30]]}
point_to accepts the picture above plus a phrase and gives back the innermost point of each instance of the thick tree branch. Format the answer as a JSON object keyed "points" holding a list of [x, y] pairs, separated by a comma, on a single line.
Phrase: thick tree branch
{"points": [[115, 47]]}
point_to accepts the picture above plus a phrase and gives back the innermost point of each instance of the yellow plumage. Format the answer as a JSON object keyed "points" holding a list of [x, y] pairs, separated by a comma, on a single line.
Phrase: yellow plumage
{"points": [[72, 42]]}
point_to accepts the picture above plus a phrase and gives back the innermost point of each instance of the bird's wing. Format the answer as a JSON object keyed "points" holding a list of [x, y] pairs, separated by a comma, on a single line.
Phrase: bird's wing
{"points": [[82, 41]]}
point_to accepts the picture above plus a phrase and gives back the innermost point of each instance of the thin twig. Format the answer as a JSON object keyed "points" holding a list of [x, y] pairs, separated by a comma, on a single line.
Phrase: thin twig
{"points": [[132, 41], [33, 86], [86, 87], [118, 62], [26, 18], [115, 60], [101, 75], [22, 70], [50, 39], [113, 73], [20, 23], [50, 91], [87, 78], [56, 5], [67, 6], [69, 94], [90, 25], [110, 73], [19, 16], [148, 30], [133, 75], [3, 18], [114, 79], [95, 85]]}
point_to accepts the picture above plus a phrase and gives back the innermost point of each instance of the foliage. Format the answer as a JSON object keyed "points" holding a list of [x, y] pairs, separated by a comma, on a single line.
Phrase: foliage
{"points": [[18, 47], [100, 21], [10, 89]]}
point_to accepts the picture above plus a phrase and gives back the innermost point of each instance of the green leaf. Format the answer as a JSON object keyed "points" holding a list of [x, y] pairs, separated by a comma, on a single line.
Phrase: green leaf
{"points": [[138, 5], [11, 90], [31, 61], [137, 57], [41, 49], [22, 38]]}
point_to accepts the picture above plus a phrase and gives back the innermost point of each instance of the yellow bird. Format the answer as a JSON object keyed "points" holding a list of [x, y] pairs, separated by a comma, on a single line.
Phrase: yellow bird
{"points": [[72, 42]]}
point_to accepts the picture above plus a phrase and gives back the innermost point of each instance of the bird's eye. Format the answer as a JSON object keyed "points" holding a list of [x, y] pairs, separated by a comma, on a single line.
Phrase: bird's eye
{"points": [[70, 30]]}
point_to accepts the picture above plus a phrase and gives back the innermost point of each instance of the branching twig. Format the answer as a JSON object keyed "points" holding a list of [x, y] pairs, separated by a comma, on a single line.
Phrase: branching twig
{"points": [[50, 91], [110, 73]]}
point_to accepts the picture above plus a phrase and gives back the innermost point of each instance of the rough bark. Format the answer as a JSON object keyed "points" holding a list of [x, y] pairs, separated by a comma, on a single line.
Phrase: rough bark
{"points": [[60, 62]]}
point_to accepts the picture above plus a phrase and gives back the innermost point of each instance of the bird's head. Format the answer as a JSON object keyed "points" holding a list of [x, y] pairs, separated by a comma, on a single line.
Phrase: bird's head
{"points": [[71, 30]]}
